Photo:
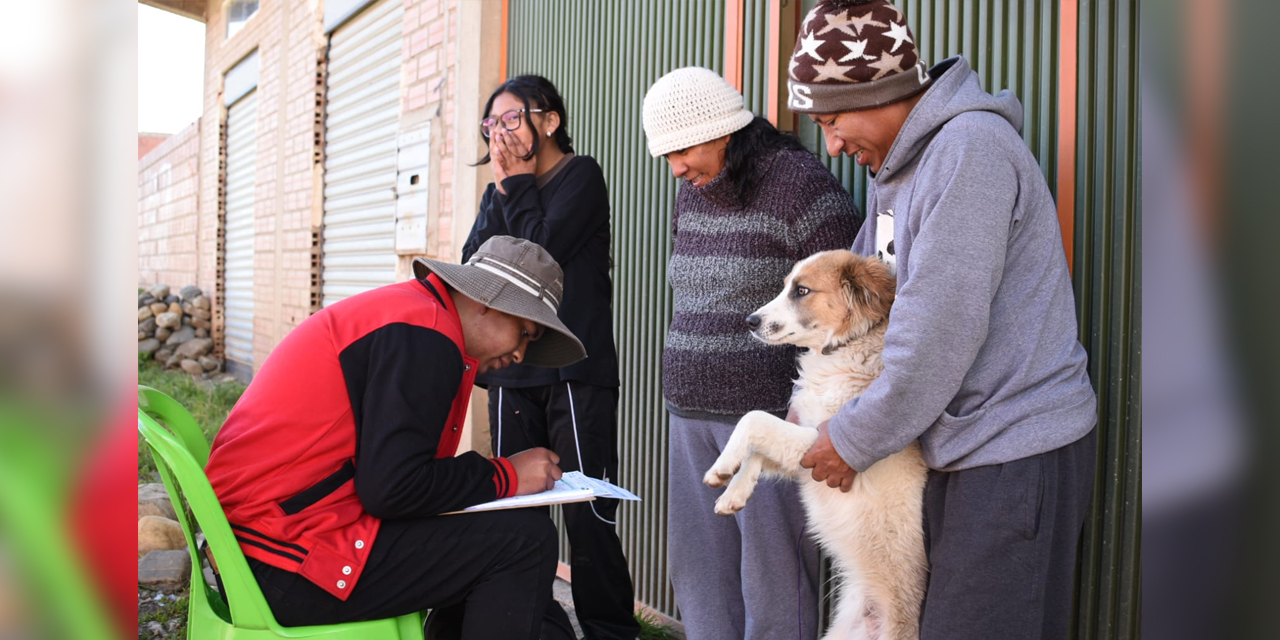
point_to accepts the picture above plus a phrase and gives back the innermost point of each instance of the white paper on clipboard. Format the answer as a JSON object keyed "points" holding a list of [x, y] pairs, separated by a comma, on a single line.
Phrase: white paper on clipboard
{"points": [[573, 486]]}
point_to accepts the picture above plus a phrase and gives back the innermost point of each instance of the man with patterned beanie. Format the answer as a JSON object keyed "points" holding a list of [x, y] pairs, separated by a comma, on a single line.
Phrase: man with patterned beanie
{"points": [[981, 360]]}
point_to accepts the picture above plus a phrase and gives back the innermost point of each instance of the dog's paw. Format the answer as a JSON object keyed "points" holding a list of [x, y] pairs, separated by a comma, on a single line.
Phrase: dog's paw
{"points": [[718, 475], [727, 504]]}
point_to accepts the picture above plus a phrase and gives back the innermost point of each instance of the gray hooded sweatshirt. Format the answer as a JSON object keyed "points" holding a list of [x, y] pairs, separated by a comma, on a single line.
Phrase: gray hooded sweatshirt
{"points": [[981, 359]]}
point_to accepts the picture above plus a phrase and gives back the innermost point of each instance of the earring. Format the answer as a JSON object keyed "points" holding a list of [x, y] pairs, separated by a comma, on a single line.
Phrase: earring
{"points": [[548, 134]]}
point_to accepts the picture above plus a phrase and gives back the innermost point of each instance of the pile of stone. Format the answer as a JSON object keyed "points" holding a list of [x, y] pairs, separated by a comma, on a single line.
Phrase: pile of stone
{"points": [[163, 559], [174, 329], [164, 563]]}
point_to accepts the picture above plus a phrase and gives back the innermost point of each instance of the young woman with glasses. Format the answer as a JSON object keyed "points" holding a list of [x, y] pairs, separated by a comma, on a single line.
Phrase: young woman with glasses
{"points": [[543, 192]]}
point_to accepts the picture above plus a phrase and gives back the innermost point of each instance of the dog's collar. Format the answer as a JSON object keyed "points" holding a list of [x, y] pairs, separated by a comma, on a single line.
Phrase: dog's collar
{"points": [[832, 348]]}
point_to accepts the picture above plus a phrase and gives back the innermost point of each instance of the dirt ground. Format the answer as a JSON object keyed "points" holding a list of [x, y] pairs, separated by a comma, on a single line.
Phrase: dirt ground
{"points": [[163, 614]]}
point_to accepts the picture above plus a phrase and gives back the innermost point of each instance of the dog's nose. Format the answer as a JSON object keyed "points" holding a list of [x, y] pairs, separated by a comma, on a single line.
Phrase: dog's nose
{"points": [[753, 321]]}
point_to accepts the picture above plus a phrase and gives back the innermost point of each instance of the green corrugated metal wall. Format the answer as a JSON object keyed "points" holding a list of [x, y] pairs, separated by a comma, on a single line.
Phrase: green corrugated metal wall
{"points": [[1108, 292], [603, 56], [755, 55]]}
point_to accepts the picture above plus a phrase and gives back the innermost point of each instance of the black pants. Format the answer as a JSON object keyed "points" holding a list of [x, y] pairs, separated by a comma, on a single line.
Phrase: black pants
{"points": [[580, 423], [1002, 543], [500, 564]]}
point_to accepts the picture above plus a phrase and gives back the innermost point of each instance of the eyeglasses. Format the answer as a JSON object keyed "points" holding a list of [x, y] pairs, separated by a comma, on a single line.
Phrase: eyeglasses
{"points": [[510, 121]]}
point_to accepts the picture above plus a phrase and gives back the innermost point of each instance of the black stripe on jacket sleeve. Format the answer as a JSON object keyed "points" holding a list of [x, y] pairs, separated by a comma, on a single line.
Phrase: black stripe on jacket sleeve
{"points": [[402, 380]]}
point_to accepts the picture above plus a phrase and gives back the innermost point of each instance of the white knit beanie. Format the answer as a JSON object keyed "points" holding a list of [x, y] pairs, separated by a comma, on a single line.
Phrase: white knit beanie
{"points": [[690, 106]]}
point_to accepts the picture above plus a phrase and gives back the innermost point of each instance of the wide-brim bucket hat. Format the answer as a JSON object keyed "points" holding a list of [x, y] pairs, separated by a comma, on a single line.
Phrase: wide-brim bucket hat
{"points": [[520, 278]]}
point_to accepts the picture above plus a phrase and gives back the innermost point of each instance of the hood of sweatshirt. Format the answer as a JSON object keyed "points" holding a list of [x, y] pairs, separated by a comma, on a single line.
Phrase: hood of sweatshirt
{"points": [[955, 90]]}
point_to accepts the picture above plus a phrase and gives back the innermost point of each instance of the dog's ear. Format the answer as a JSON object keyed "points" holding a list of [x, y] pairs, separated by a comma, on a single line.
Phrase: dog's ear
{"points": [[867, 283]]}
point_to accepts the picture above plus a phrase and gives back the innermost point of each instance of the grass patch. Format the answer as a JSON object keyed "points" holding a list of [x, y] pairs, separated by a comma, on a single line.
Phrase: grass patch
{"points": [[168, 611], [208, 402], [652, 629]]}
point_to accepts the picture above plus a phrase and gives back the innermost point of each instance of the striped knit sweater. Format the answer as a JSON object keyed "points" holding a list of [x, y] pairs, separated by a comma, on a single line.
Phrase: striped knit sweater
{"points": [[729, 261]]}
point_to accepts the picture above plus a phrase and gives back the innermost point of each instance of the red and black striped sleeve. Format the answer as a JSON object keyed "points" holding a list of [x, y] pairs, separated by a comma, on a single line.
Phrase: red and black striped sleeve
{"points": [[402, 380]]}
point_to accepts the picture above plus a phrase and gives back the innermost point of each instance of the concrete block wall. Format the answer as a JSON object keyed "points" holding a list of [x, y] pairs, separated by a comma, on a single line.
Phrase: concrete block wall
{"points": [[168, 186]]}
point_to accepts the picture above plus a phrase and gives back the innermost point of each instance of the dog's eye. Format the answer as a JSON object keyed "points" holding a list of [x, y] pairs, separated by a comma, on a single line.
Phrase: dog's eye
{"points": [[801, 291]]}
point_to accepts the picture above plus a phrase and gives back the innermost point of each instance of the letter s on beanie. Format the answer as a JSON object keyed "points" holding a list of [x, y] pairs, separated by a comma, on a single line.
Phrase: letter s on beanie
{"points": [[852, 55]]}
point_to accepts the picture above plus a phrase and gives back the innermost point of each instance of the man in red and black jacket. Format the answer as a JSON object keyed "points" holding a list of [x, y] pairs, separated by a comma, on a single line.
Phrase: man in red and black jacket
{"points": [[336, 463]]}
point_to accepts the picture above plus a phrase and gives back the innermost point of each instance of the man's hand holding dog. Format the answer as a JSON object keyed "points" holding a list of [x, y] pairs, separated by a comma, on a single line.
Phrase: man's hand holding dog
{"points": [[827, 465]]}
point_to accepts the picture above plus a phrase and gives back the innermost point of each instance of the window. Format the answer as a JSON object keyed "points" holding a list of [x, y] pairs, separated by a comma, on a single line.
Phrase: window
{"points": [[238, 13]]}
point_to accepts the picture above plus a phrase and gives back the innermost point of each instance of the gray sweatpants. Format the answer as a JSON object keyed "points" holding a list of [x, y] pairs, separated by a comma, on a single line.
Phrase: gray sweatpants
{"points": [[752, 576], [1002, 542]]}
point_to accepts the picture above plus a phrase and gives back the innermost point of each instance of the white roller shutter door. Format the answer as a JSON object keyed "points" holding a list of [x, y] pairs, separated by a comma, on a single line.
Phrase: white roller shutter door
{"points": [[242, 135], [361, 123]]}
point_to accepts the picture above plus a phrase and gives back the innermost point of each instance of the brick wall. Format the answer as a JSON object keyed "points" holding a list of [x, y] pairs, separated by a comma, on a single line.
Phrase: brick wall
{"points": [[168, 182], [179, 234], [287, 35], [428, 91], [149, 141]]}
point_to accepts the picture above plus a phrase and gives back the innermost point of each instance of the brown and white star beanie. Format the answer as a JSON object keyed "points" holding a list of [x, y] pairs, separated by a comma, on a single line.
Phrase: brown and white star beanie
{"points": [[853, 55]]}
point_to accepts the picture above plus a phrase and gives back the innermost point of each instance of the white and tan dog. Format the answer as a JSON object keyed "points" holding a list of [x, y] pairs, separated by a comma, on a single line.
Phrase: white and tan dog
{"points": [[836, 304]]}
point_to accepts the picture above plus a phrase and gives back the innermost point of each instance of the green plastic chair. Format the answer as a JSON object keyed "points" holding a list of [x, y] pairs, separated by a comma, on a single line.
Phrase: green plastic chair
{"points": [[180, 453], [173, 415]]}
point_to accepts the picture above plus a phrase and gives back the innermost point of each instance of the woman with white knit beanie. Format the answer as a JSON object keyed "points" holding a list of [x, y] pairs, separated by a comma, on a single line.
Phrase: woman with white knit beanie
{"points": [[753, 202]]}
